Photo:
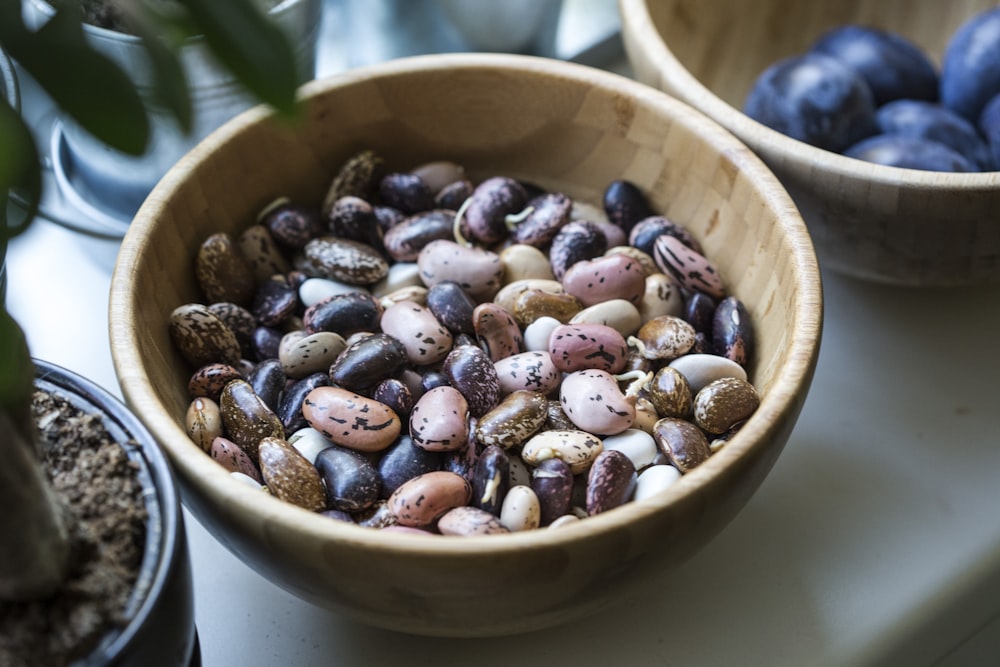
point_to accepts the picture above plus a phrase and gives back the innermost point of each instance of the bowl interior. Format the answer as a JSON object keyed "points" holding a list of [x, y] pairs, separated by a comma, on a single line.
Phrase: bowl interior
{"points": [[564, 127]]}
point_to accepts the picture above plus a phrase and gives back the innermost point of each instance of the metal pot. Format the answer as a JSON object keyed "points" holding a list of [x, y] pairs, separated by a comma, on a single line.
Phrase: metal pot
{"points": [[116, 183]]}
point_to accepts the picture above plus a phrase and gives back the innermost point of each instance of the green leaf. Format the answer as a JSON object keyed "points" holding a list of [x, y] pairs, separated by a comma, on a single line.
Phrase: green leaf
{"points": [[17, 371], [20, 167], [250, 46], [87, 85]]}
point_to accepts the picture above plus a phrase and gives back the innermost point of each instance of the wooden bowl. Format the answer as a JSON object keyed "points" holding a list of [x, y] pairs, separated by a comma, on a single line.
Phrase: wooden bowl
{"points": [[565, 127], [878, 223]]}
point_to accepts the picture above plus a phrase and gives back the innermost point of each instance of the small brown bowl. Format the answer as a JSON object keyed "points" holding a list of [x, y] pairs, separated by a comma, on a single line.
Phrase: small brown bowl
{"points": [[874, 222], [564, 127]]}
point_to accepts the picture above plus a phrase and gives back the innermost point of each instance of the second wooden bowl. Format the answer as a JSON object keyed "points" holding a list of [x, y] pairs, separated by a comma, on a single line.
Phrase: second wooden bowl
{"points": [[878, 223]]}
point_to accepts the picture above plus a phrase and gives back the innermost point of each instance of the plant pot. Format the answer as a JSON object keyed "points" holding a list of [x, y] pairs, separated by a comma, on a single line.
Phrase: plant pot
{"points": [[108, 186], [159, 629]]}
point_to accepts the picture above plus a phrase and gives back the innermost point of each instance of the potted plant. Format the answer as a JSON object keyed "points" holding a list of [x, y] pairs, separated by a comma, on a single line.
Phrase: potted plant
{"points": [[89, 500]]}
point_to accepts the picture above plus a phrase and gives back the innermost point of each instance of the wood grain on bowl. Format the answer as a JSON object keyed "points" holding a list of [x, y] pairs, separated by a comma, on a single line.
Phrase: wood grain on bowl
{"points": [[567, 128]]}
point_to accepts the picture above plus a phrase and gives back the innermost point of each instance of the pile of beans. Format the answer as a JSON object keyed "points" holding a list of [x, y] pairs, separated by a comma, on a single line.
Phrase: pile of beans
{"points": [[422, 353]]}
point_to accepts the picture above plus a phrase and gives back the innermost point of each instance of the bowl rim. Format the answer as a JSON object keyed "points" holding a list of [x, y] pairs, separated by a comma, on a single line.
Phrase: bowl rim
{"points": [[195, 467], [638, 24]]}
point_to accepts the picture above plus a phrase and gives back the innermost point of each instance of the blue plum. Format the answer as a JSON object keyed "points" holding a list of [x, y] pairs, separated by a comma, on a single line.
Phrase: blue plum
{"points": [[894, 67], [970, 69], [909, 153], [815, 99], [927, 120], [989, 126]]}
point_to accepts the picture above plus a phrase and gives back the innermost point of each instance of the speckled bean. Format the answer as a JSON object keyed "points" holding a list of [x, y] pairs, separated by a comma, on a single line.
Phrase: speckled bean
{"points": [[532, 371], [351, 482], [422, 500], [661, 297], [405, 191], [221, 271], [203, 421], [228, 454], [439, 421], [732, 331], [290, 404], [683, 443], [367, 361], [594, 402], [310, 353], [690, 268], [201, 337], [625, 204], [268, 380], [577, 448], [476, 269], [664, 338], [533, 304], [261, 253], [548, 213], [576, 241], [610, 481], [345, 314], [723, 403], [246, 418], [452, 306], [575, 347], [350, 420], [670, 393], [289, 476], [472, 373], [512, 421], [508, 294], [424, 339], [209, 380], [597, 280], [491, 480], [345, 260], [649, 229], [468, 521], [404, 241], [291, 225], [487, 209], [496, 331], [552, 482]]}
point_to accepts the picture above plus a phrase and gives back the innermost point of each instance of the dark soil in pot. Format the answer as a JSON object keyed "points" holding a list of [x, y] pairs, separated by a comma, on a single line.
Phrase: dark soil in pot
{"points": [[99, 489], [128, 599]]}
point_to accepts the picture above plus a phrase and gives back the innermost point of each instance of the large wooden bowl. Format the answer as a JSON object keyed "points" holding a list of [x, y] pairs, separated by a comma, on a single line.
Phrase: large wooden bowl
{"points": [[565, 127], [879, 223]]}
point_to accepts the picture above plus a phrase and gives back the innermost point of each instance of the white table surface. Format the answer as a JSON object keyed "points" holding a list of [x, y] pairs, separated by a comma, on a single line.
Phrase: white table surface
{"points": [[874, 541]]}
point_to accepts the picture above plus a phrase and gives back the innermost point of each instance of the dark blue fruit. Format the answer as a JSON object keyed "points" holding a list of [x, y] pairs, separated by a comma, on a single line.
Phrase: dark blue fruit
{"points": [[927, 120], [970, 70], [909, 153], [815, 99], [893, 67]]}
